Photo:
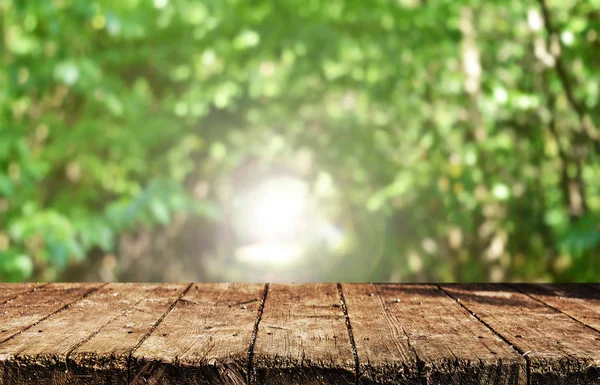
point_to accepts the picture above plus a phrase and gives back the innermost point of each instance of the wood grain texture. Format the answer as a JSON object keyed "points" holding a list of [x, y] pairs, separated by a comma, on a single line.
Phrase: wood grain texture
{"points": [[403, 331], [579, 302], [42, 354], [384, 351], [188, 334], [559, 349], [302, 337], [203, 340], [105, 357], [10, 291], [24, 311]]}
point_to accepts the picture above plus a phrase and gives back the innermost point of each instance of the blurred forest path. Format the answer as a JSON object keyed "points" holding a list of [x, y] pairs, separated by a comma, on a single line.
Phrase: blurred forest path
{"points": [[300, 140]]}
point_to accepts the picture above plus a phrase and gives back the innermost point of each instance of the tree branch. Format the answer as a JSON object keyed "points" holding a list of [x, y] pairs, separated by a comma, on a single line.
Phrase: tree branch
{"points": [[563, 75], [563, 155]]}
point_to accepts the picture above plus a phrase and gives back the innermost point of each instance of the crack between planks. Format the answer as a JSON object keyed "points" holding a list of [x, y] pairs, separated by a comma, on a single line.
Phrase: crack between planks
{"points": [[23, 293], [251, 377], [64, 307], [94, 333], [552, 307], [350, 333], [158, 322], [504, 339]]}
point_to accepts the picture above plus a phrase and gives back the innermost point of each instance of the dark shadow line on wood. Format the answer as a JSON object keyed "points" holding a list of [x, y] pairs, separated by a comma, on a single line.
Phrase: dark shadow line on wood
{"points": [[158, 322], [244, 302], [350, 333], [593, 287], [552, 307], [506, 341], [22, 293], [94, 333], [514, 287], [251, 376], [64, 307], [420, 363]]}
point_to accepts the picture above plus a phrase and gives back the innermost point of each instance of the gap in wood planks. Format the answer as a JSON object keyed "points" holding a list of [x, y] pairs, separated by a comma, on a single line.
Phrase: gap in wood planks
{"points": [[503, 338], [53, 312], [14, 291], [535, 298], [251, 375], [558, 348], [350, 333], [162, 317]]}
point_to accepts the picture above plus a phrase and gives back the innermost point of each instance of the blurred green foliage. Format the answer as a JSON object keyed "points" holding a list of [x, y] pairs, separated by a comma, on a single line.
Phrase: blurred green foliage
{"points": [[462, 136]]}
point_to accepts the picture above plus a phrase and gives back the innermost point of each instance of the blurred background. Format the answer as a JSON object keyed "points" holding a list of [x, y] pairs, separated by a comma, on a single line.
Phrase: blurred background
{"points": [[299, 140]]}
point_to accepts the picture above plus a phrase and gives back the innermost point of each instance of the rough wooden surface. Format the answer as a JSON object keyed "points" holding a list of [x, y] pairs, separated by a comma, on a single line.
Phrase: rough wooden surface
{"points": [[579, 302], [299, 334], [558, 349], [25, 311], [303, 338], [385, 352], [12, 291], [442, 337], [204, 339], [119, 337]]}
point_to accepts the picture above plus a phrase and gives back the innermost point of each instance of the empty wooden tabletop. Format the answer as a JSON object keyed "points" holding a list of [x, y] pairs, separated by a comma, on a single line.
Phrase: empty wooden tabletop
{"points": [[325, 333]]}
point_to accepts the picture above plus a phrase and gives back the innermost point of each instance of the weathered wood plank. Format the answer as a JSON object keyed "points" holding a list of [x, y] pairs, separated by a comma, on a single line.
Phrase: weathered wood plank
{"points": [[577, 301], [383, 348], [26, 310], [10, 291], [105, 357], [396, 325], [559, 350], [203, 340], [41, 354], [302, 337]]}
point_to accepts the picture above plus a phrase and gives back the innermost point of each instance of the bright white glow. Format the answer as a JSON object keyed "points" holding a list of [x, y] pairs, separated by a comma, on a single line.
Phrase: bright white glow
{"points": [[272, 221], [277, 224], [270, 253], [278, 210], [160, 4], [274, 211], [534, 18], [567, 37]]}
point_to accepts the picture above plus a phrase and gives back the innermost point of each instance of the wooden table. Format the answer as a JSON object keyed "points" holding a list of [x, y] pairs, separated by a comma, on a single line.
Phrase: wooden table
{"points": [[299, 334]]}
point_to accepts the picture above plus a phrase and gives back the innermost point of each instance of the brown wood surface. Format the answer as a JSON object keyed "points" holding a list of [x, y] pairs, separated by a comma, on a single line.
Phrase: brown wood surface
{"points": [[384, 350], [299, 334], [120, 337], [448, 345], [559, 350], [303, 338], [579, 302], [48, 346], [25, 311], [11, 291], [203, 340]]}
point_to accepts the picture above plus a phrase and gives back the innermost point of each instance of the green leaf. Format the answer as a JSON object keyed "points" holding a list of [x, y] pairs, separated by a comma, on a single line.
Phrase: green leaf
{"points": [[160, 212], [15, 267]]}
